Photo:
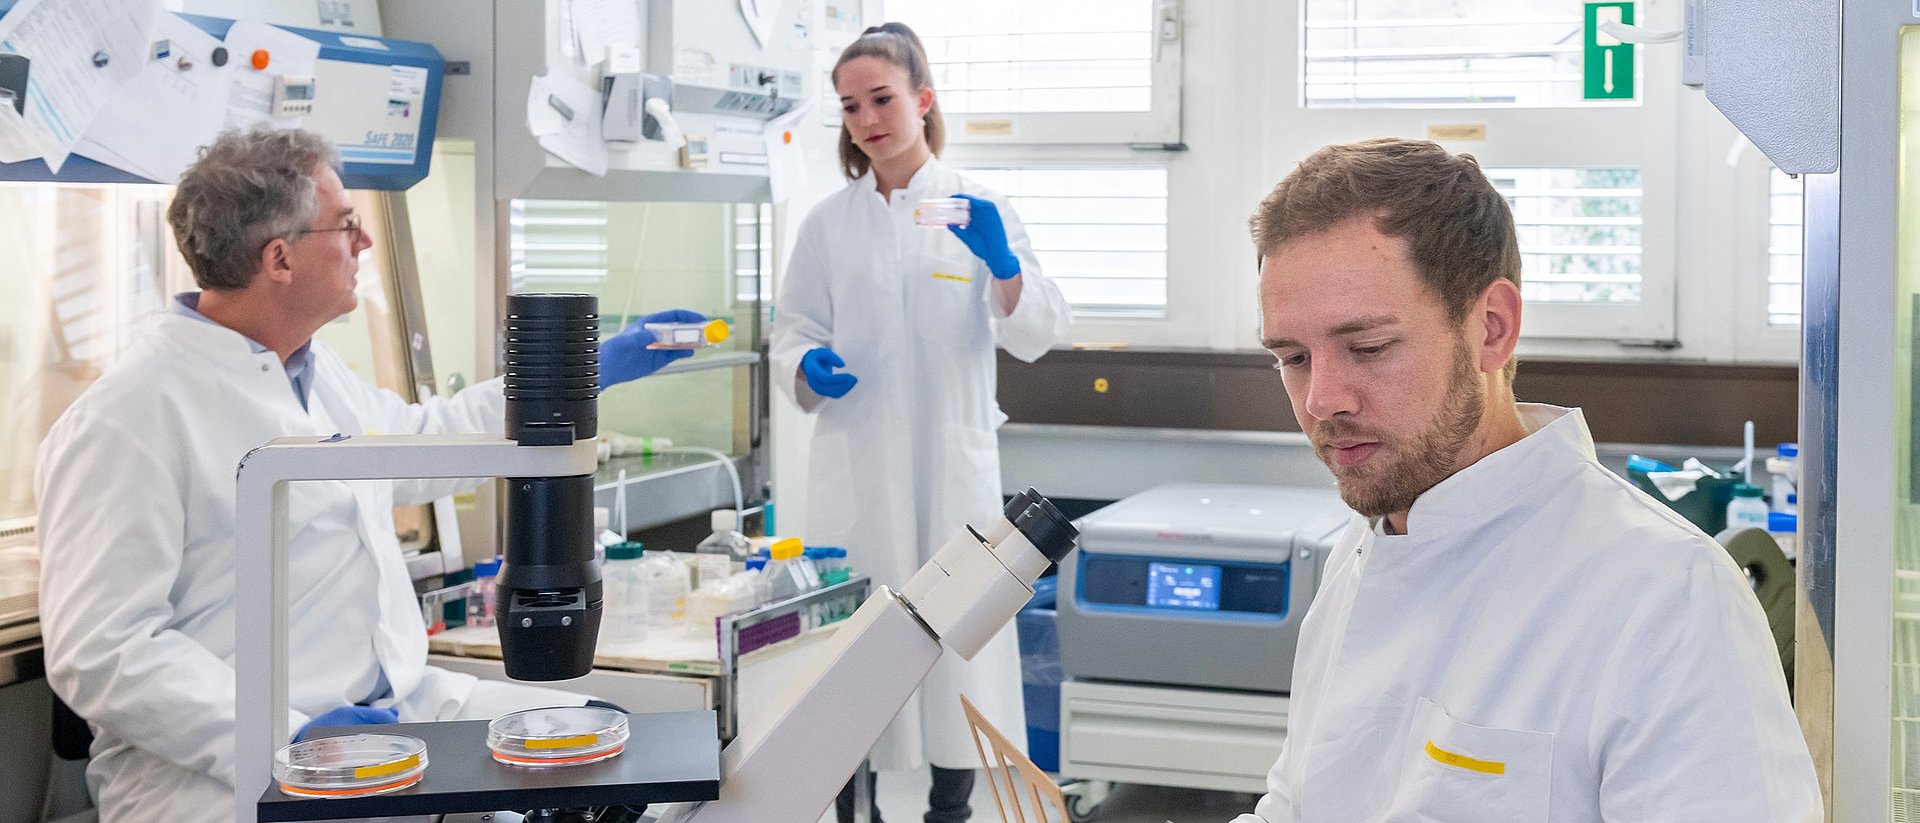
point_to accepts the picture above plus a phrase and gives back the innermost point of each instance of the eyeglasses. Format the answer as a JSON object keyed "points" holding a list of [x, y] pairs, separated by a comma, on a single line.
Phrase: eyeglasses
{"points": [[352, 227]]}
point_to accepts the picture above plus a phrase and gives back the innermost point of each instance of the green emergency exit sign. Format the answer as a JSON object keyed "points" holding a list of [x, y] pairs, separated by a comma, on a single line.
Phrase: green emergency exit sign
{"points": [[1608, 67]]}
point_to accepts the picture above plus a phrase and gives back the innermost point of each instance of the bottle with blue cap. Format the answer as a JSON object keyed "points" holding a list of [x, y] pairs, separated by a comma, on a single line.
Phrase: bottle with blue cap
{"points": [[1784, 465], [757, 571], [1785, 529]]}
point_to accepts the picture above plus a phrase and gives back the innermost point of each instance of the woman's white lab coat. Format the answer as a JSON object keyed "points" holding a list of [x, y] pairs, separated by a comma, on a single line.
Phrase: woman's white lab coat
{"points": [[136, 492], [907, 457], [1545, 645]]}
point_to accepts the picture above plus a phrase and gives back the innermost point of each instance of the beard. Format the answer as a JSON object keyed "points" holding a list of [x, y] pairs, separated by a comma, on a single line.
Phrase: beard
{"points": [[1405, 467]]}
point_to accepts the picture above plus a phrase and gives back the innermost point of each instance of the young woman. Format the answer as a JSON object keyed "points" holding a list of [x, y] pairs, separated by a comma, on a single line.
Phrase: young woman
{"points": [[886, 330]]}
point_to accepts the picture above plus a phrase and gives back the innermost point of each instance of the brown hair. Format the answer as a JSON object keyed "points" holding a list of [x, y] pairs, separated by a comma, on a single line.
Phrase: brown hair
{"points": [[896, 44], [1458, 229]]}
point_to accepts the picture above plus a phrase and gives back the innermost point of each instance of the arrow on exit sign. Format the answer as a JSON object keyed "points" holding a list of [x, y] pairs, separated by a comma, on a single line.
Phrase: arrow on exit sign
{"points": [[1608, 62]]}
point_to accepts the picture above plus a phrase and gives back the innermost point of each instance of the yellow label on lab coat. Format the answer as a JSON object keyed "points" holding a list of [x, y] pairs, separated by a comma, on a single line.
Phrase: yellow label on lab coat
{"points": [[1465, 762], [957, 278]]}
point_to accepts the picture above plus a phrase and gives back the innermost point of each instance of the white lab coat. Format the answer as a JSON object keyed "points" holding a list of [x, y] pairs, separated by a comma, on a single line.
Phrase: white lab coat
{"points": [[907, 457], [136, 489], [1544, 615]]}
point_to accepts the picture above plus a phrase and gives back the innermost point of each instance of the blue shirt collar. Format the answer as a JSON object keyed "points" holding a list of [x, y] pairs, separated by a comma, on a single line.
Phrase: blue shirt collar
{"points": [[299, 366]]}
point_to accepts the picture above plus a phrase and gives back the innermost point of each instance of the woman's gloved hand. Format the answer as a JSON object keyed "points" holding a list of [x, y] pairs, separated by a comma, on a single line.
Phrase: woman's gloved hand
{"points": [[986, 236], [625, 355], [817, 367], [348, 716]]}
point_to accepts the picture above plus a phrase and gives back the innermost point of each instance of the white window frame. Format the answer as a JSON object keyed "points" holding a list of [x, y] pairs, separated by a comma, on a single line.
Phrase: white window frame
{"points": [[1159, 125], [1756, 339], [1183, 319], [1610, 135]]}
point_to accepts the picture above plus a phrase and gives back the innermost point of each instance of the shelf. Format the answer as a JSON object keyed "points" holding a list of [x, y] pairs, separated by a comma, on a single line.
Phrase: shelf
{"points": [[709, 362], [662, 488]]}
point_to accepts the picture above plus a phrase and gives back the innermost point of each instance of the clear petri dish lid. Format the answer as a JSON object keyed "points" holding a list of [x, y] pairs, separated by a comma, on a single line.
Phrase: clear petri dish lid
{"points": [[559, 736], [354, 765]]}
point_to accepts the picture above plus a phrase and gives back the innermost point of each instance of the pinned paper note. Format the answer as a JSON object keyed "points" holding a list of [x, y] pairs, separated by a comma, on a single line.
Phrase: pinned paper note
{"points": [[564, 114], [190, 100], [80, 51], [599, 26]]}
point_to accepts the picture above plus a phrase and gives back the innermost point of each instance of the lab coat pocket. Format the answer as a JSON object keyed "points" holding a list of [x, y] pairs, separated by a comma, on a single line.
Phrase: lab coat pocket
{"points": [[1462, 773], [949, 304]]}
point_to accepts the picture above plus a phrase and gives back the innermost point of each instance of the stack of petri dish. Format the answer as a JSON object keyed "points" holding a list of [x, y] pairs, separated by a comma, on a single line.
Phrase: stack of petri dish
{"points": [[559, 736], [355, 765]]}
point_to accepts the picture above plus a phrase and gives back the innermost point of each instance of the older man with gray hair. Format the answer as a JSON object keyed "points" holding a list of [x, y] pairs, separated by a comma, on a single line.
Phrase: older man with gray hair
{"points": [[136, 490]]}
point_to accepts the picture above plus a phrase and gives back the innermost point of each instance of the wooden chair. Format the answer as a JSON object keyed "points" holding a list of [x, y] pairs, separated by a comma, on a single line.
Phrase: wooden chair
{"points": [[1008, 765]]}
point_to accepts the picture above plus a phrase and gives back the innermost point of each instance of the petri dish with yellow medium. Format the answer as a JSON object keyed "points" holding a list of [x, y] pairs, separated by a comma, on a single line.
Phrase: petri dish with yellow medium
{"points": [[558, 736], [354, 765]]}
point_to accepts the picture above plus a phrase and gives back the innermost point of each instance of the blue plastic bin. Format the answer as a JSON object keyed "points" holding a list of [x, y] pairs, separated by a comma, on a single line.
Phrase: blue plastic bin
{"points": [[1040, 674]]}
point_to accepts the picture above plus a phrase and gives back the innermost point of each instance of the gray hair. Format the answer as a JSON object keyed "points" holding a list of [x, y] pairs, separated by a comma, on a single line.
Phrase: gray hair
{"points": [[247, 189]]}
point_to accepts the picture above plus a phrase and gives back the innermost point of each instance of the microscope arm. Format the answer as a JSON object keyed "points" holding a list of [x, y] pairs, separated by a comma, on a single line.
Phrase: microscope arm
{"points": [[824, 723]]}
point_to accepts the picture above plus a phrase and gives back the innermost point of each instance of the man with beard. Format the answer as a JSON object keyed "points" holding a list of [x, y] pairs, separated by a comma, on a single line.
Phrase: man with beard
{"points": [[1507, 631]]}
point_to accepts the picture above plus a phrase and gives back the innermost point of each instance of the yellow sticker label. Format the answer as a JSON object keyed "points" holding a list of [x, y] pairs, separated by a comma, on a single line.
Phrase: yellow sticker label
{"points": [[957, 278], [1457, 132], [385, 769], [1464, 762], [564, 742], [1100, 385], [990, 128]]}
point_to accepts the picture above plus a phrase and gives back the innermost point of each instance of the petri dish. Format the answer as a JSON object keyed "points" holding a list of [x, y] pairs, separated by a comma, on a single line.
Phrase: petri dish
{"points": [[354, 765], [688, 335], [941, 212], [558, 736]]}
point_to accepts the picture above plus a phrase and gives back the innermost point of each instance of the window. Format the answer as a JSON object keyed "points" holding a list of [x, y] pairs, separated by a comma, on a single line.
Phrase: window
{"points": [[85, 264], [1579, 232], [641, 257], [1068, 71], [1783, 249], [1100, 232], [1467, 53], [558, 244], [1593, 186], [752, 270]]}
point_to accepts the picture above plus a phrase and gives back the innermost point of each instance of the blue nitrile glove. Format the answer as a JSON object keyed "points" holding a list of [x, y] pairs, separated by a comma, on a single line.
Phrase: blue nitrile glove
{"points": [[986, 236], [348, 716], [625, 355], [818, 365]]}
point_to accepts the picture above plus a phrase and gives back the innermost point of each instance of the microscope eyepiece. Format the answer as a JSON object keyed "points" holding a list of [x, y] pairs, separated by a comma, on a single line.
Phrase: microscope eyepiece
{"points": [[1046, 528]]}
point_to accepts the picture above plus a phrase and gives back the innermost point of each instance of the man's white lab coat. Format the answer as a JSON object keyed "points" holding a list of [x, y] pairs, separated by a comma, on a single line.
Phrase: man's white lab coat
{"points": [[136, 491], [1545, 644]]}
